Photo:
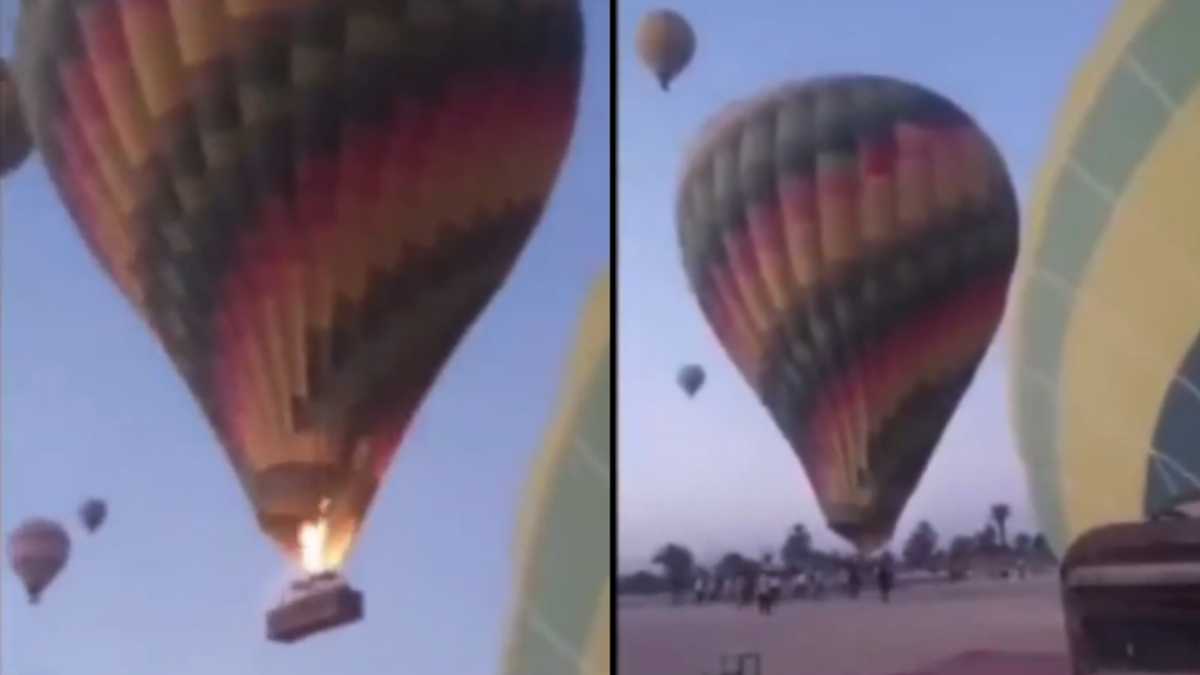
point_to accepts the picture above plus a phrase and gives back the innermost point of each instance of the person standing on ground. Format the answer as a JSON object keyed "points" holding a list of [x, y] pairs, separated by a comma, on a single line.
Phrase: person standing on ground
{"points": [[886, 577], [764, 594], [749, 585], [853, 580]]}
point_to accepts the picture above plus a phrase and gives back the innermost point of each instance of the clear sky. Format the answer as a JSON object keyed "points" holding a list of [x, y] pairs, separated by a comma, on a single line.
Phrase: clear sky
{"points": [[714, 473], [179, 578]]}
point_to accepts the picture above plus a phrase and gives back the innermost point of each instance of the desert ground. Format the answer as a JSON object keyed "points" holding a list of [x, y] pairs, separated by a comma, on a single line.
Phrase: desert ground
{"points": [[924, 624]]}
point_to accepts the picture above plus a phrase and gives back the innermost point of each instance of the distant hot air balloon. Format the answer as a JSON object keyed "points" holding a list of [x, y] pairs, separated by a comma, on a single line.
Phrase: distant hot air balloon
{"points": [[1106, 359], [665, 43], [309, 203], [691, 378], [38, 550], [850, 240], [15, 144], [92, 513], [562, 621]]}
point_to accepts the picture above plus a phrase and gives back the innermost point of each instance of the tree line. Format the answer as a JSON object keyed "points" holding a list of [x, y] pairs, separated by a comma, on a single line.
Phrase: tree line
{"points": [[924, 550]]}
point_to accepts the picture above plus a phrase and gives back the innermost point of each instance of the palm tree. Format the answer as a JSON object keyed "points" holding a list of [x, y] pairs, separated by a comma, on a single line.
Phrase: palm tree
{"points": [[1000, 514]]}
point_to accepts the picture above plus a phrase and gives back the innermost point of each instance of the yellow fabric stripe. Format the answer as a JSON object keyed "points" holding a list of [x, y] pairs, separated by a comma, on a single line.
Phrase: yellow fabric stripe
{"points": [[596, 652], [594, 339], [1088, 84], [1132, 325], [592, 344]]}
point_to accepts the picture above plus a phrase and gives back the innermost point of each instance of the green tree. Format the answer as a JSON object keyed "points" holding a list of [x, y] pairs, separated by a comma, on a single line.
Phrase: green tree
{"points": [[962, 546], [986, 539], [797, 548], [921, 545], [731, 565], [678, 565], [1022, 543]]}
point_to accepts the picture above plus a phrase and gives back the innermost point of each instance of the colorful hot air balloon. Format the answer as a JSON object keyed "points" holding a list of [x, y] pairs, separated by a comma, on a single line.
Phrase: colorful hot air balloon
{"points": [[1106, 363], [309, 202], [691, 378], [665, 43], [850, 240], [15, 144], [38, 550], [562, 621], [92, 513]]}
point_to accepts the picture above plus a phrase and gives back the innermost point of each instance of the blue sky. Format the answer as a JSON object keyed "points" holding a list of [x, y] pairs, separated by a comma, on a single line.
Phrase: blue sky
{"points": [[180, 577], [714, 473]]}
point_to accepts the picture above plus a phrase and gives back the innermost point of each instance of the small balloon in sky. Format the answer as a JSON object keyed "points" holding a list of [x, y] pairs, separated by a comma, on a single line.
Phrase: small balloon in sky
{"points": [[38, 550], [93, 513], [691, 378], [666, 44]]}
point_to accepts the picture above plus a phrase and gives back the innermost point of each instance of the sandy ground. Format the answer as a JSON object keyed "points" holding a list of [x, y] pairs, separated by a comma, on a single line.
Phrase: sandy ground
{"points": [[923, 625]]}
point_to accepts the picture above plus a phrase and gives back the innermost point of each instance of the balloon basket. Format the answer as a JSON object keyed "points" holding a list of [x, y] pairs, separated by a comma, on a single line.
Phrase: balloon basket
{"points": [[317, 603], [1131, 597]]}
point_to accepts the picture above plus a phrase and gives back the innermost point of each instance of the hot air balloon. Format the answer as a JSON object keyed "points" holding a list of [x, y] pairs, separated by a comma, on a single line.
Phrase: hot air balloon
{"points": [[665, 43], [309, 203], [850, 240], [562, 620], [15, 144], [92, 513], [38, 550], [1106, 359], [691, 378]]}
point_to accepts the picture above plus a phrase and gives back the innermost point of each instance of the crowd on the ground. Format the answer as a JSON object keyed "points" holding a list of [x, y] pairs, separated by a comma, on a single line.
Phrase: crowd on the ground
{"points": [[763, 589]]}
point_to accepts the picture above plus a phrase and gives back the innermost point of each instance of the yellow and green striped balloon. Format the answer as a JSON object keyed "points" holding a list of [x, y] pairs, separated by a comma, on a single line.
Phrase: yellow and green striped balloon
{"points": [[561, 624], [1106, 402]]}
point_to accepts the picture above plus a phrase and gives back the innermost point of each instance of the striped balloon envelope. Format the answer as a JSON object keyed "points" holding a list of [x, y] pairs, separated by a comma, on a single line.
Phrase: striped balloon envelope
{"points": [[561, 623], [308, 201], [850, 240], [1106, 367]]}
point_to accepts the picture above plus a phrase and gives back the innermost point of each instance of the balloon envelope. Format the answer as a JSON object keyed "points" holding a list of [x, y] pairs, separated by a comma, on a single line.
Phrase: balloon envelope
{"points": [[308, 202], [665, 43], [691, 378], [38, 550], [92, 513], [1106, 361], [850, 240], [15, 143], [563, 546]]}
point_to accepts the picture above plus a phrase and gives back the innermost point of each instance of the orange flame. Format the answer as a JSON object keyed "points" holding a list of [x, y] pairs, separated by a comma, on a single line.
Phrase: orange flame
{"points": [[314, 541]]}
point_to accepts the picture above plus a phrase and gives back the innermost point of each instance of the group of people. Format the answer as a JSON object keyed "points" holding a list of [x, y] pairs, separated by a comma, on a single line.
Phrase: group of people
{"points": [[885, 579], [764, 589]]}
